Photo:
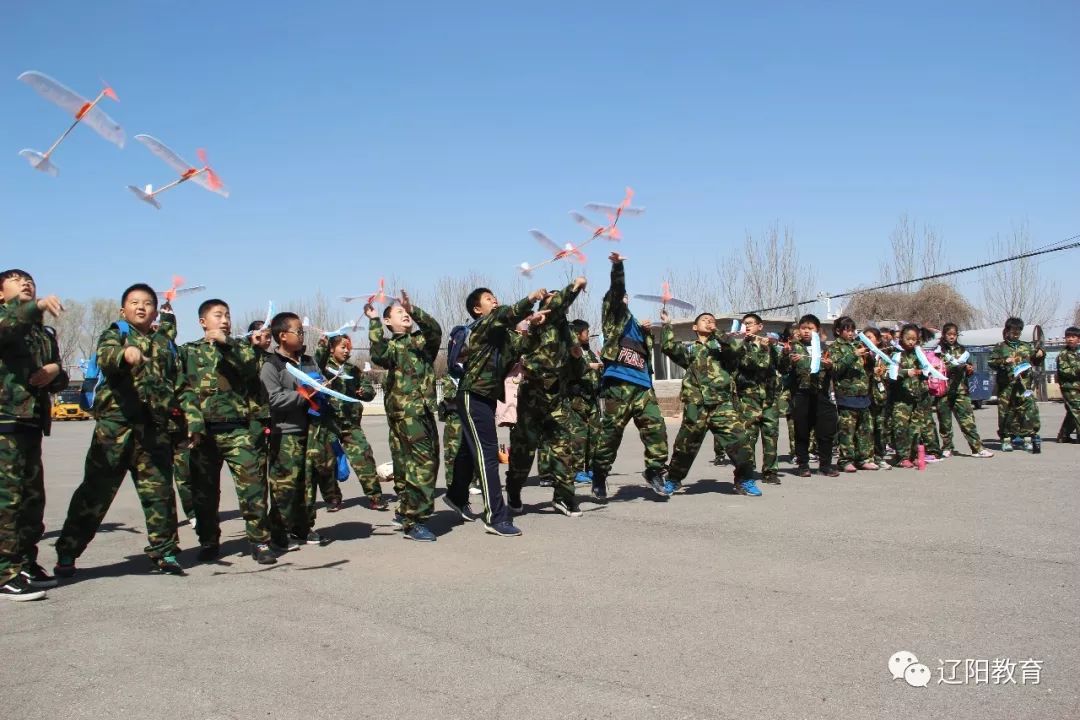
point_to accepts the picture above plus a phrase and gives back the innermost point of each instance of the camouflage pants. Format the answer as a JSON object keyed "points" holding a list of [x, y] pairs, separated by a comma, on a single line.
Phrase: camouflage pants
{"points": [[532, 431], [722, 420], [584, 421], [544, 423], [1071, 423], [761, 417], [358, 450], [182, 474], [623, 402], [298, 464], [1018, 416], [416, 465], [451, 444], [877, 424], [913, 425], [235, 447], [958, 404], [115, 450], [854, 435], [22, 501]]}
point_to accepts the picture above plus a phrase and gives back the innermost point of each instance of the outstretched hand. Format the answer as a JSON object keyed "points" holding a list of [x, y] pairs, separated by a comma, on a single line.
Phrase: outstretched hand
{"points": [[406, 301], [50, 304], [370, 311]]}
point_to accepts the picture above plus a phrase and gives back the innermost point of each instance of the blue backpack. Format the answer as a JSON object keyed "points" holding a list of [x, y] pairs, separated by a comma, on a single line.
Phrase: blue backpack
{"points": [[93, 378], [455, 355]]}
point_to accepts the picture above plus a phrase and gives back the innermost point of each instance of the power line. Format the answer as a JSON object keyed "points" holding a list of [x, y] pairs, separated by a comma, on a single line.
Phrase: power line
{"points": [[1046, 249]]}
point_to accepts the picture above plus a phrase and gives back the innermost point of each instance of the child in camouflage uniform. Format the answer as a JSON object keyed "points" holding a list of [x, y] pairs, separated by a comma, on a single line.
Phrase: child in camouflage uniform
{"points": [[758, 385], [855, 434], [584, 406], [221, 371], [1013, 360], [30, 369], [812, 405], [1068, 378], [912, 403], [143, 385], [410, 399], [957, 399]]}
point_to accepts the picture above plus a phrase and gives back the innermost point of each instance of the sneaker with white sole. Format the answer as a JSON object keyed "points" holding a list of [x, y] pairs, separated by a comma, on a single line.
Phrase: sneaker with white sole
{"points": [[984, 453], [38, 577], [569, 509], [18, 589], [464, 511]]}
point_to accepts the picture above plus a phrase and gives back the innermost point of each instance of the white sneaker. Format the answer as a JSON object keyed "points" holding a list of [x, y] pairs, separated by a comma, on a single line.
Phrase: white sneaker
{"points": [[932, 459], [946, 454], [473, 490], [984, 453]]}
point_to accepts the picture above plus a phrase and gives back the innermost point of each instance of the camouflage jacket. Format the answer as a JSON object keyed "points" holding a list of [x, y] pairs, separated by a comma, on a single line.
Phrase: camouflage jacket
{"points": [[999, 361], [449, 387], [489, 353], [587, 386], [409, 388], [957, 374], [260, 402], [758, 370], [709, 365], [615, 315], [25, 346], [545, 352], [879, 386], [222, 378], [913, 389], [799, 377], [849, 369], [150, 392], [1068, 369], [356, 385]]}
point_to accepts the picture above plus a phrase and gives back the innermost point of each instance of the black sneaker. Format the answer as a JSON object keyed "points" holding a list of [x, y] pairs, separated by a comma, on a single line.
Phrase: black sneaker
{"points": [[599, 489], [168, 565], [37, 577], [569, 509], [1036, 444], [513, 501], [547, 481], [829, 471], [803, 471], [464, 511], [18, 589], [209, 553], [283, 546], [770, 477], [65, 566], [263, 554], [312, 538], [657, 481]]}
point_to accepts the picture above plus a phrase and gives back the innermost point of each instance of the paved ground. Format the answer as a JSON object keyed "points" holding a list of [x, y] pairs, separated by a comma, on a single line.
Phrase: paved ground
{"points": [[711, 605]]}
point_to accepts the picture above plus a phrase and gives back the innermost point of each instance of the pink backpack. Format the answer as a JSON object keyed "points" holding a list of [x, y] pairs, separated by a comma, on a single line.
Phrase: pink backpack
{"points": [[938, 388]]}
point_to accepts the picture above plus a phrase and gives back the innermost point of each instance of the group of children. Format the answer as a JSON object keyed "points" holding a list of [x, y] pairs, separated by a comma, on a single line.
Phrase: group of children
{"points": [[285, 421]]}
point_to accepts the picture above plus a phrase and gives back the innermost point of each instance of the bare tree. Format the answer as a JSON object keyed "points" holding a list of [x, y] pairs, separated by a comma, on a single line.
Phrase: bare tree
{"points": [[700, 289], [1076, 315], [932, 305], [765, 272], [100, 314], [916, 251], [1017, 289], [69, 331]]}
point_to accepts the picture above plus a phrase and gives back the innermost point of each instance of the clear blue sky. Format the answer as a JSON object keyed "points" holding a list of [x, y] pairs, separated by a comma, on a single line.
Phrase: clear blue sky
{"points": [[420, 139]]}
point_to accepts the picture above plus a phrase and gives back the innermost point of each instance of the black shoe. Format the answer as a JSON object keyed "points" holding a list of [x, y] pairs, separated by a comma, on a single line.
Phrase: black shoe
{"points": [[262, 554], [463, 511], [37, 577], [569, 509], [657, 482], [312, 538], [283, 546], [1036, 444], [547, 481], [513, 501], [599, 489], [209, 553], [18, 589], [829, 471], [803, 471], [772, 478]]}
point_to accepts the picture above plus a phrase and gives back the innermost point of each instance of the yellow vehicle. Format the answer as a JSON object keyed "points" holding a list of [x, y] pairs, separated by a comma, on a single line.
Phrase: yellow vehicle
{"points": [[66, 406]]}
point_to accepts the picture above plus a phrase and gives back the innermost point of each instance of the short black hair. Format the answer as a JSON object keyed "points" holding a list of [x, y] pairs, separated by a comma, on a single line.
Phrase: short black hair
{"points": [[473, 299], [755, 316], [206, 305], [842, 323], [255, 325], [872, 332], [16, 273], [335, 341], [139, 287], [810, 318], [578, 325], [949, 326], [1072, 330], [1014, 323], [280, 323], [701, 315], [910, 326], [386, 311]]}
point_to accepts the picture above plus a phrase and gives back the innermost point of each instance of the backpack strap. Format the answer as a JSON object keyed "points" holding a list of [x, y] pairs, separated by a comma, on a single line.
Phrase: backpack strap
{"points": [[124, 328]]}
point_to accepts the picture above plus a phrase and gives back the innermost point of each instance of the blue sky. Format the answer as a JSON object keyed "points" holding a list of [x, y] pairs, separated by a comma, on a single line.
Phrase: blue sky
{"points": [[421, 139]]}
